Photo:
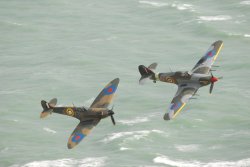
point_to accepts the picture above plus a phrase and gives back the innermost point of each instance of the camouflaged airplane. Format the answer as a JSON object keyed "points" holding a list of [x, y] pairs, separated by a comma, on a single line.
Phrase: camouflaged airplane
{"points": [[188, 82], [88, 117]]}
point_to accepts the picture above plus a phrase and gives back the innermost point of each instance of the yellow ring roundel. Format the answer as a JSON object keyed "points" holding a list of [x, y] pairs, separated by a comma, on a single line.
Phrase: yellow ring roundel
{"points": [[70, 112], [170, 80]]}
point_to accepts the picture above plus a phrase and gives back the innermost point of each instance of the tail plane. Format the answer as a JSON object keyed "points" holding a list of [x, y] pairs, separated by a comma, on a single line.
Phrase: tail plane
{"points": [[47, 107], [147, 73]]}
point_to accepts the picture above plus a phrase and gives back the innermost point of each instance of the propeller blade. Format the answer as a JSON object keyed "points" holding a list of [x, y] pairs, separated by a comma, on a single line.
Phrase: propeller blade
{"points": [[215, 66], [211, 87], [113, 120], [211, 74]]}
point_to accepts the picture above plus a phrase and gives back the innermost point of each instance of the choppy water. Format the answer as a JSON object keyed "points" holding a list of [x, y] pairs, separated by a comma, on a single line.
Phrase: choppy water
{"points": [[72, 49]]}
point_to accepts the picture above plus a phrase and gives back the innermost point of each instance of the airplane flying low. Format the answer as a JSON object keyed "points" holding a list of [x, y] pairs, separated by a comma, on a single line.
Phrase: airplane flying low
{"points": [[88, 117], [188, 82]]}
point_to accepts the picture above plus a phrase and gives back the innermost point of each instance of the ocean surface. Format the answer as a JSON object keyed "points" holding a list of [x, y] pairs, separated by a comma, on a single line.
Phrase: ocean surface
{"points": [[70, 49]]}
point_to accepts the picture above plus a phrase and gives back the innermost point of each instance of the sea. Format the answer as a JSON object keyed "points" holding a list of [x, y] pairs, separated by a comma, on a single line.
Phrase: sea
{"points": [[70, 49]]}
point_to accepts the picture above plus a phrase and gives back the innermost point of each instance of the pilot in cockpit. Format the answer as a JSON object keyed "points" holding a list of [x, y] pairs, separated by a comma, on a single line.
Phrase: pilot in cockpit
{"points": [[183, 73]]}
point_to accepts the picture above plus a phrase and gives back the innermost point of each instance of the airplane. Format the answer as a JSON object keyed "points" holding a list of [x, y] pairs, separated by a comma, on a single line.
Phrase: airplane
{"points": [[188, 82], [90, 117]]}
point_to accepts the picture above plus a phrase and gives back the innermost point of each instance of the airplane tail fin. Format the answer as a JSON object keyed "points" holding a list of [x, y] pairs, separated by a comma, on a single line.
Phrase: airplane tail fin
{"points": [[47, 107], [147, 73]]}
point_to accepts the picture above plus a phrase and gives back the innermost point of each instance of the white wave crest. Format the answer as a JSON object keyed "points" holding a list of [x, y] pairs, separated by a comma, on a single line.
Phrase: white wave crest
{"points": [[234, 34], [8, 92], [215, 18], [155, 4], [199, 120], [137, 135], [49, 130], [86, 162], [245, 2], [134, 121], [247, 35], [124, 148], [14, 23], [187, 148], [239, 35], [215, 147], [178, 6], [167, 161], [183, 6]]}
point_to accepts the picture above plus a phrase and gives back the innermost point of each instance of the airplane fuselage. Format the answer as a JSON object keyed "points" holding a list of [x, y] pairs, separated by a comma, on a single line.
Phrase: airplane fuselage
{"points": [[183, 77], [81, 113]]}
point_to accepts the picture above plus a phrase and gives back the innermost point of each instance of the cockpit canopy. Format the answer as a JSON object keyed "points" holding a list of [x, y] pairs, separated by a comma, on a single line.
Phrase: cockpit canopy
{"points": [[182, 73]]}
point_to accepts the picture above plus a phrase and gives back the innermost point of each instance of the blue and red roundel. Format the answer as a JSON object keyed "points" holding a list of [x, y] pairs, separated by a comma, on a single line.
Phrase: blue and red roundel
{"points": [[210, 54], [175, 106], [109, 90], [77, 137]]}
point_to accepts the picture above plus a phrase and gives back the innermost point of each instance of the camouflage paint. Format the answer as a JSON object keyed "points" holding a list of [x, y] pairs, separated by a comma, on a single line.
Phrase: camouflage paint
{"points": [[88, 118], [188, 82]]}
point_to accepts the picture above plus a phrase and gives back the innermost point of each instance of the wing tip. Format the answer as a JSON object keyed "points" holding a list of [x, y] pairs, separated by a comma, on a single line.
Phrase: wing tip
{"points": [[116, 80], [219, 41], [70, 146], [167, 117]]}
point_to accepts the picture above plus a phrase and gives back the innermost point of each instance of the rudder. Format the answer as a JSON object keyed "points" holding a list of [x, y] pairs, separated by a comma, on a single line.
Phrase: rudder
{"points": [[146, 73], [47, 107]]}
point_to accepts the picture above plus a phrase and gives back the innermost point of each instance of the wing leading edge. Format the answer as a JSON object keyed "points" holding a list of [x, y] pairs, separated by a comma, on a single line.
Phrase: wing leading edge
{"points": [[204, 65], [106, 95], [85, 126], [179, 101]]}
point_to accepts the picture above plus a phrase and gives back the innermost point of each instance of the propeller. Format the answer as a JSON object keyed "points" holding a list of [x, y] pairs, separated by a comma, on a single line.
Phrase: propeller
{"points": [[211, 87], [113, 120], [111, 115], [213, 80]]}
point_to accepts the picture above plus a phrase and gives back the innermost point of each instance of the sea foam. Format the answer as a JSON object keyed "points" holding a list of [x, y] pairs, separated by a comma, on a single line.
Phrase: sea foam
{"points": [[215, 18], [49, 130], [178, 6], [194, 163], [131, 135], [133, 121], [153, 3], [247, 35], [245, 2], [183, 7], [86, 162], [187, 148]]}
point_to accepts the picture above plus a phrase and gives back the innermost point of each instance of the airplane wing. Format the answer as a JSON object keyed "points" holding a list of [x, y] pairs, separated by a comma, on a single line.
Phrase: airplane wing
{"points": [[204, 65], [81, 131], [105, 97], [183, 94]]}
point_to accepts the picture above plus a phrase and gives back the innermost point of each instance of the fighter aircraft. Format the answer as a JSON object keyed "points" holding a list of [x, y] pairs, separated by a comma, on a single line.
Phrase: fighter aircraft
{"points": [[88, 117], [188, 82]]}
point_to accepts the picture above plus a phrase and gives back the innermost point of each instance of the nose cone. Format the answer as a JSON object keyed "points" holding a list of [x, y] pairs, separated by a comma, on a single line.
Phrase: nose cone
{"points": [[111, 112], [214, 79]]}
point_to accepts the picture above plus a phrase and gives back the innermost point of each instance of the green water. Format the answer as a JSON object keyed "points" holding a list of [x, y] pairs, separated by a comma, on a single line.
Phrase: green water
{"points": [[72, 49]]}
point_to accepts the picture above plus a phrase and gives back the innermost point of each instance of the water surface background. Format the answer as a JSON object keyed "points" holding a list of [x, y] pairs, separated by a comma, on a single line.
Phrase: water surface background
{"points": [[72, 49]]}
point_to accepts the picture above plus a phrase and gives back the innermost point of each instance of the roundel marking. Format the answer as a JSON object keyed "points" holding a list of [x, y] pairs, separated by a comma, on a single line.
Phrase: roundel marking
{"points": [[77, 137], [170, 80], [69, 111], [110, 90], [175, 106], [210, 54]]}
